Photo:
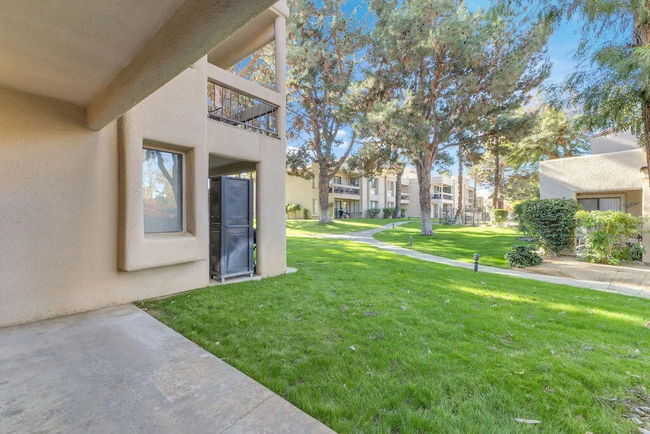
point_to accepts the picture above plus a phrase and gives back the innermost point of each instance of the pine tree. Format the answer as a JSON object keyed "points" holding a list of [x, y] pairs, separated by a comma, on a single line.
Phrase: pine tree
{"points": [[324, 42], [439, 69]]}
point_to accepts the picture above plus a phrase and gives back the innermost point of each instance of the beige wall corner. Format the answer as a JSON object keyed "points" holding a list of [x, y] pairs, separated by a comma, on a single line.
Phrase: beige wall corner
{"points": [[173, 119]]}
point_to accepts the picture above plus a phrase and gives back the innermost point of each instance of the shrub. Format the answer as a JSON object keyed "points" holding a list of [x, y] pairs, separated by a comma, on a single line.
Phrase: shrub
{"points": [[517, 211], [373, 213], [305, 213], [402, 213], [551, 223], [292, 209], [500, 216], [608, 234], [388, 212], [523, 256]]}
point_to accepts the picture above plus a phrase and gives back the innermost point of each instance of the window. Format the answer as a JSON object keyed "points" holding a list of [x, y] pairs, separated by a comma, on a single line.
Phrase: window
{"points": [[162, 191], [314, 207], [446, 190], [436, 189], [391, 189], [354, 207], [391, 204], [601, 204], [337, 180], [374, 204], [354, 182], [373, 186], [314, 181]]}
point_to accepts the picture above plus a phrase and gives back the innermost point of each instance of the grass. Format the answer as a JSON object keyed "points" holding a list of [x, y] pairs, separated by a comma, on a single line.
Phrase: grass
{"points": [[368, 341], [458, 242], [338, 226]]}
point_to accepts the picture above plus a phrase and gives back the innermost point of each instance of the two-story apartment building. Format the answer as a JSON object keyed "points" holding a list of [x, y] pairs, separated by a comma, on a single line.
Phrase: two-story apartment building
{"points": [[353, 195], [350, 193], [113, 120], [444, 195], [613, 177]]}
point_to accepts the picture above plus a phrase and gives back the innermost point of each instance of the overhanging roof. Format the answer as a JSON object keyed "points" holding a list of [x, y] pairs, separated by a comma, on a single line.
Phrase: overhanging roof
{"points": [[110, 55]]}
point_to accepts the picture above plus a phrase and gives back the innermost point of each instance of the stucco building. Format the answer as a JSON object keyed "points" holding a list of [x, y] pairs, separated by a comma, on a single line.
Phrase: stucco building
{"points": [[611, 178], [355, 195], [349, 193], [444, 195], [113, 118]]}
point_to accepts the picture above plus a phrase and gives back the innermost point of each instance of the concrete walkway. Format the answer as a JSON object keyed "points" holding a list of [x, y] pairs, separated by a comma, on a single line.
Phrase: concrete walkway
{"points": [[119, 370], [366, 237]]}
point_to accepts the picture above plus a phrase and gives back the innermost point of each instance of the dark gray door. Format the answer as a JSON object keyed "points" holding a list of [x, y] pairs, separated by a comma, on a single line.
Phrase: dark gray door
{"points": [[231, 227]]}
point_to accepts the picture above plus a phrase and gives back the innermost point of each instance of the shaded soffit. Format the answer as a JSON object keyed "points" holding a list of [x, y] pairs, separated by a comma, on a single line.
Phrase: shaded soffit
{"points": [[110, 55]]}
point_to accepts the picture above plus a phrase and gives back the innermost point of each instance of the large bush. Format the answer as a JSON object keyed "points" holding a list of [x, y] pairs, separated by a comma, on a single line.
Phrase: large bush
{"points": [[523, 256], [551, 223], [607, 234], [388, 212], [373, 213], [292, 209], [500, 216], [517, 211], [305, 213]]}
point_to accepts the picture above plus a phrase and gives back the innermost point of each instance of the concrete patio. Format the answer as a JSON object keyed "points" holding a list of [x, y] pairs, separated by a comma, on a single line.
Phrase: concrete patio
{"points": [[119, 370]]}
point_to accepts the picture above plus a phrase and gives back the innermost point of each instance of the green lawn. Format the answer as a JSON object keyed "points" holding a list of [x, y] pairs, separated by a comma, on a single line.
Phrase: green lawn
{"points": [[342, 226], [458, 242], [368, 341]]}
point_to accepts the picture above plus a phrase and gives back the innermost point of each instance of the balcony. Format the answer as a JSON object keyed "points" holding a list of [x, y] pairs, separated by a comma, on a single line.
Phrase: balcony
{"points": [[405, 198], [242, 110], [348, 190], [443, 196]]}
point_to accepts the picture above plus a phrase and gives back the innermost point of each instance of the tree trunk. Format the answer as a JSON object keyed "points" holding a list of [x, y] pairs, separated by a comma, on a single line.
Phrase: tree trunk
{"points": [[646, 133], [497, 179], [459, 207], [423, 168], [398, 194], [323, 196], [641, 39], [474, 199]]}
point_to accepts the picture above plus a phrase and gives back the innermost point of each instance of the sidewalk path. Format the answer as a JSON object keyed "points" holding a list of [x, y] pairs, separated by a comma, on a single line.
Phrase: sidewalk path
{"points": [[366, 237]]}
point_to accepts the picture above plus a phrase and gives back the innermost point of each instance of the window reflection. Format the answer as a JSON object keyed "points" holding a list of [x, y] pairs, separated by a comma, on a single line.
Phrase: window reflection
{"points": [[162, 189]]}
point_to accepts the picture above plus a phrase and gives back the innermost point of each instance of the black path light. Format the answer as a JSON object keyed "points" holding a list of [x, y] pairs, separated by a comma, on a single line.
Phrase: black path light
{"points": [[476, 258]]}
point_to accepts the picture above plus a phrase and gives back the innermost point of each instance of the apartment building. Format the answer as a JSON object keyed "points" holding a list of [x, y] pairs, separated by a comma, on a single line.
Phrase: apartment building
{"points": [[350, 194], [613, 177], [108, 145], [444, 195], [353, 195]]}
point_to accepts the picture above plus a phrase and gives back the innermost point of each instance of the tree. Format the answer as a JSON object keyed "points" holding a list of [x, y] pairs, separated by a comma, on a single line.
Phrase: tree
{"points": [[555, 134], [324, 42], [259, 67], [500, 134], [439, 68], [612, 84]]}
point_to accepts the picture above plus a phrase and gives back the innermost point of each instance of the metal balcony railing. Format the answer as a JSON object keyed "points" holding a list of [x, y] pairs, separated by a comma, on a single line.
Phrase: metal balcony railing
{"points": [[405, 197], [443, 196], [242, 110], [344, 189]]}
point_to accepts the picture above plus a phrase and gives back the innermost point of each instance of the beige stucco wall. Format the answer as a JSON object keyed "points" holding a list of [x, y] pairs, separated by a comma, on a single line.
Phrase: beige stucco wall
{"points": [[300, 191], [616, 171], [609, 174], [71, 236], [59, 217]]}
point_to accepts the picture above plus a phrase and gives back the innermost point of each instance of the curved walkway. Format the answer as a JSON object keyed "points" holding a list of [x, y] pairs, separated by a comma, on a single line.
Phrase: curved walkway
{"points": [[366, 237]]}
